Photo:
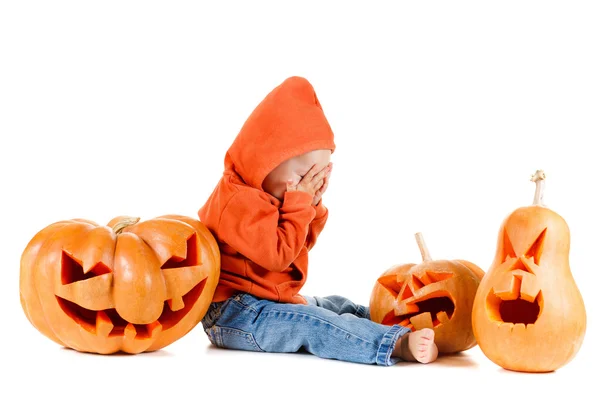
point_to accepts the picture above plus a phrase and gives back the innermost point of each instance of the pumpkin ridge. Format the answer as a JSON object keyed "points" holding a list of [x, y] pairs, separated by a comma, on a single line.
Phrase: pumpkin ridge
{"points": [[76, 229], [159, 234], [28, 274]]}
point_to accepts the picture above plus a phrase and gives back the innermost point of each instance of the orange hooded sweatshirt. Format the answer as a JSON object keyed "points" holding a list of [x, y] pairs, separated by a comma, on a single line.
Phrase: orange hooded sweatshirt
{"points": [[264, 242]]}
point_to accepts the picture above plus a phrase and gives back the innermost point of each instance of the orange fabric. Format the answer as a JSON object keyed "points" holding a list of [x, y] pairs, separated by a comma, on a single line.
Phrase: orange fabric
{"points": [[264, 242]]}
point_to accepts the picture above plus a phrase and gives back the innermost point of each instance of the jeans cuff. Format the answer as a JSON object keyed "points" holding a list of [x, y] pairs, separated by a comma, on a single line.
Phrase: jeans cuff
{"points": [[384, 353], [362, 311]]}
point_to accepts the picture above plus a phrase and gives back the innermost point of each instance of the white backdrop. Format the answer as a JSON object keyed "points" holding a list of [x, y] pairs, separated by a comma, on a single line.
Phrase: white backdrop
{"points": [[441, 111]]}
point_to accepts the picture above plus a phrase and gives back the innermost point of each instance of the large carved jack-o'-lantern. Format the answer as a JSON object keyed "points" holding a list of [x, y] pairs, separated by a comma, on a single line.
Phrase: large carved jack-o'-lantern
{"points": [[435, 294], [528, 314], [128, 286]]}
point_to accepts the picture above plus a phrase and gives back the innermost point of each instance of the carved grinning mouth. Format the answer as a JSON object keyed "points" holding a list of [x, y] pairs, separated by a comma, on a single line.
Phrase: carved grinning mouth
{"points": [[433, 311], [517, 305], [107, 322]]}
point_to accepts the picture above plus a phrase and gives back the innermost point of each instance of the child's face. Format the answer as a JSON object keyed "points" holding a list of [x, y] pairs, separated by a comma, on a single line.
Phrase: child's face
{"points": [[294, 168]]}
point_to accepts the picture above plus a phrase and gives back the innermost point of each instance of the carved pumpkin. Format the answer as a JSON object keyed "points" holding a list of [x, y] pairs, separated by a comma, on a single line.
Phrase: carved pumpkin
{"points": [[528, 314], [435, 294], [128, 286]]}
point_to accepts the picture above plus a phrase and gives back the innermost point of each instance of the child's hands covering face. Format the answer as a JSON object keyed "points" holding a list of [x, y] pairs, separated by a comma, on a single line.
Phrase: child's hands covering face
{"points": [[323, 188], [314, 182]]}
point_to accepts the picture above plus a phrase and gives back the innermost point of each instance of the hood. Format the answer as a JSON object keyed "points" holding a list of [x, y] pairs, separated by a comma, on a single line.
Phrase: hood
{"points": [[287, 123]]}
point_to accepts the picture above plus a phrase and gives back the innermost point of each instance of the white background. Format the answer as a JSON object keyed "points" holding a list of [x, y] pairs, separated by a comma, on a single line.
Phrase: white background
{"points": [[441, 111]]}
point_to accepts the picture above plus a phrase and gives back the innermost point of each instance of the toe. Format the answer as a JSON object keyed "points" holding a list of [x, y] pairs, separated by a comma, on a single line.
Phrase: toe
{"points": [[427, 333]]}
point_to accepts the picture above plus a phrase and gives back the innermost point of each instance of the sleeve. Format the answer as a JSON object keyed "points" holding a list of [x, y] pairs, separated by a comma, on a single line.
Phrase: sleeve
{"points": [[317, 225], [270, 237]]}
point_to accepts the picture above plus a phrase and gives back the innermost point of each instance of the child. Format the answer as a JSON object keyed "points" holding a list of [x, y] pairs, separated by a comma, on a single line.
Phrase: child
{"points": [[266, 214]]}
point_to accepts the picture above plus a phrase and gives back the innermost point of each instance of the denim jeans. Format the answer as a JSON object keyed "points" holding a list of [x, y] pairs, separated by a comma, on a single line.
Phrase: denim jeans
{"points": [[330, 327]]}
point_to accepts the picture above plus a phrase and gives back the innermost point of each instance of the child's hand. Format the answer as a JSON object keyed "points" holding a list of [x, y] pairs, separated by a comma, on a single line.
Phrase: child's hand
{"points": [[311, 182], [323, 188]]}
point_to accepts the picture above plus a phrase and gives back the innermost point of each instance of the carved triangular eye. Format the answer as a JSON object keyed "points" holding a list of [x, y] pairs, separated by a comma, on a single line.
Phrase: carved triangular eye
{"points": [[509, 251], [390, 282], [407, 293], [417, 283], [72, 270], [191, 258], [535, 250]]}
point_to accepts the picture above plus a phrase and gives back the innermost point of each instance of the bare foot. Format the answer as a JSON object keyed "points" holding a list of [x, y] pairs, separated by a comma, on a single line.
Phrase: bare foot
{"points": [[417, 346]]}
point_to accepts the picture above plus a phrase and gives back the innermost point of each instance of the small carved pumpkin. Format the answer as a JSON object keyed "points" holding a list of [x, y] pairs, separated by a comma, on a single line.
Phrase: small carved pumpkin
{"points": [[128, 286], [435, 294], [528, 314]]}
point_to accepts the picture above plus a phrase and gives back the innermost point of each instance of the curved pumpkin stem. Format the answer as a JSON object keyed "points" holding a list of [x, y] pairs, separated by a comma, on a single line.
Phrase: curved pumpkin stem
{"points": [[539, 179], [120, 223], [422, 246]]}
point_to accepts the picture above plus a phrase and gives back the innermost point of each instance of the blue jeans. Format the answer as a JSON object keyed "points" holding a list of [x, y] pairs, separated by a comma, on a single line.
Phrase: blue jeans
{"points": [[330, 327]]}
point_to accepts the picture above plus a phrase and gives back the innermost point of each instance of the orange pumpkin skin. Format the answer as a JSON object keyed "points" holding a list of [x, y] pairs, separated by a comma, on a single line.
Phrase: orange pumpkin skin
{"points": [[528, 314], [435, 294], [125, 287]]}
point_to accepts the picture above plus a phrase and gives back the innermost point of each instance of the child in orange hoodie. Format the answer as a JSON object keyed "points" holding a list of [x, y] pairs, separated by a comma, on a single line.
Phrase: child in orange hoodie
{"points": [[266, 213]]}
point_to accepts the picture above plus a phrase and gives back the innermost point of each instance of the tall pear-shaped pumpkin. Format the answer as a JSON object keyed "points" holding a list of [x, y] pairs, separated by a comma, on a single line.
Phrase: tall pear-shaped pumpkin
{"points": [[528, 313]]}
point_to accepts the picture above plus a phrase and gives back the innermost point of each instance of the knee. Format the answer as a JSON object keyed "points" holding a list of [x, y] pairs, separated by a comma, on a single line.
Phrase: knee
{"points": [[343, 305], [337, 299], [332, 302]]}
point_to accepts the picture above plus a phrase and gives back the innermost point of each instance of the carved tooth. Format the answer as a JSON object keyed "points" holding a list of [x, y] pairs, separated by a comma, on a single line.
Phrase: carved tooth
{"points": [[510, 287], [529, 288], [442, 316], [130, 332], [506, 327], [176, 303], [154, 328], [103, 324], [422, 320], [519, 329], [134, 343]]}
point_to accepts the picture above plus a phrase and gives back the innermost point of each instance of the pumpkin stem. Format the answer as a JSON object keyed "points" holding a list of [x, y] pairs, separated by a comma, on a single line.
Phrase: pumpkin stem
{"points": [[123, 223], [539, 179], [423, 247]]}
